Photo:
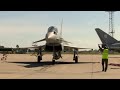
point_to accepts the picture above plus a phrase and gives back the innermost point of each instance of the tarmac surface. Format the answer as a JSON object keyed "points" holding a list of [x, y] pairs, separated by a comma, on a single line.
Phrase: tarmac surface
{"points": [[25, 66]]}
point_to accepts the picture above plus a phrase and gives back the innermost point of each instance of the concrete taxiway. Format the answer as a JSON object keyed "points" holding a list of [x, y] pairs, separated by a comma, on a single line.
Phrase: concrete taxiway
{"points": [[25, 66]]}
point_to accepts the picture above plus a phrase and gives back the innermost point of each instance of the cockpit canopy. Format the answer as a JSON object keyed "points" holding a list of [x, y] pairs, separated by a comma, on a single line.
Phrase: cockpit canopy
{"points": [[52, 29]]}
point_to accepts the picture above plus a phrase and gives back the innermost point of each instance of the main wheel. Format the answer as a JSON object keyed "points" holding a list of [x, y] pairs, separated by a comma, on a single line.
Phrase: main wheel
{"points": [[53, 61], [76, 59], [39, 59]]}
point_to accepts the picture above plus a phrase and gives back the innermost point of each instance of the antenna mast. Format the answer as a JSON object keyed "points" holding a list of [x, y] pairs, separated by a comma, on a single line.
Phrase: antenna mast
{"points": [[61, 28], [111, 24]]}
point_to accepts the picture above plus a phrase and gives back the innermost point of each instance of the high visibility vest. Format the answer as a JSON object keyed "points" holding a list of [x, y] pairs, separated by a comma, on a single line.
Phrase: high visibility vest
{"points": [[105, 54]]}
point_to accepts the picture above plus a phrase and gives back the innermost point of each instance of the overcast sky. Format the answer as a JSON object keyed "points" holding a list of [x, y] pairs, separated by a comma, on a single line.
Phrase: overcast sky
{"points": [[24, 27]]}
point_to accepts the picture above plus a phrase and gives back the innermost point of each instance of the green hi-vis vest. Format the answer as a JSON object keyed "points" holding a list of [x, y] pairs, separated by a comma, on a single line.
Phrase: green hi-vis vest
{"points": [[105, 54]]}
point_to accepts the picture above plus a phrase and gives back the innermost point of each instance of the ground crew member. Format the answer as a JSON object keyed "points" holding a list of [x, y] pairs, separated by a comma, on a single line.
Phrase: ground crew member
{"points": [[104, 51]]}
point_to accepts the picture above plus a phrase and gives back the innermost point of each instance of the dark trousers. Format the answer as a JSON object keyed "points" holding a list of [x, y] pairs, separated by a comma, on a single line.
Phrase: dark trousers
{"points": [[104, 64]]}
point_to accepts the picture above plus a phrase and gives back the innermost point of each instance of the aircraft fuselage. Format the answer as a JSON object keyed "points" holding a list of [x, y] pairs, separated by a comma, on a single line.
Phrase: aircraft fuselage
{"points": [[53, 40]]}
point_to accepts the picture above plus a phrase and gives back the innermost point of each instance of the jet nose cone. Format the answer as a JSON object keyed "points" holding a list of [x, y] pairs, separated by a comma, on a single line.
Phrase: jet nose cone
{"points": [[50, 36]]}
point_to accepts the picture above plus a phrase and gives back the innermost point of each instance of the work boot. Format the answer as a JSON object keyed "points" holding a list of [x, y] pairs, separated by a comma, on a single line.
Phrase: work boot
{"points": [[105, 69], [102, 69]]}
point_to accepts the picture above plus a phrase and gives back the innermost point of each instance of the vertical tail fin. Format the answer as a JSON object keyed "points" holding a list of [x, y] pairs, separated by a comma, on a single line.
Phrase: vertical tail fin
{"points": [[104, 37], [64, 41]]}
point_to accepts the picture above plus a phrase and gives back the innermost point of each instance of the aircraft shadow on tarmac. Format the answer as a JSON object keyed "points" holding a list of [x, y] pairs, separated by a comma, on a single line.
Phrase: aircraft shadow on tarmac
{"points": [[46, 63]]}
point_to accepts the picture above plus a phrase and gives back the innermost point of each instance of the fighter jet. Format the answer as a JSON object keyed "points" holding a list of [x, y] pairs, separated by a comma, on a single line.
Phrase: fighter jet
{"points": [[56, 44], [110, 42]]}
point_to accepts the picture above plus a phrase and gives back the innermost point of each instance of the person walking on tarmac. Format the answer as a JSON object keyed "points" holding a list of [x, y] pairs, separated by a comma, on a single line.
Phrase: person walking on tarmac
{"points": [[104, 51]]}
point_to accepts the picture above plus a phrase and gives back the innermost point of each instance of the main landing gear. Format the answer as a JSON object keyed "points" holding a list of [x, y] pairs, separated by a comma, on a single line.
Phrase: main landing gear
{"points": [[75, 57], [53, 61], [39, 58]]}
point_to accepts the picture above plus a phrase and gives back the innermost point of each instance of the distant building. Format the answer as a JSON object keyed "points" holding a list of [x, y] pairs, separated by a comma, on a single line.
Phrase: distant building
{"points": [[1, 46]]}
